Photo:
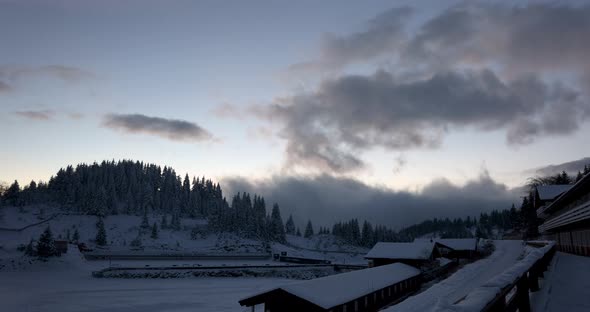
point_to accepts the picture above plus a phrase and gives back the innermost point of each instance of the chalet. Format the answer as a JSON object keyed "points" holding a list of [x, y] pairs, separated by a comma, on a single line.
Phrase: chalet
{"points": [[546, 194], [566, 220], [415, 254], [455, 247], [362, 290]]}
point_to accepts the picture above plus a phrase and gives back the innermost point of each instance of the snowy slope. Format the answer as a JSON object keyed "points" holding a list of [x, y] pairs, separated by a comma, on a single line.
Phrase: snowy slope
{"points": [[464, 280]]}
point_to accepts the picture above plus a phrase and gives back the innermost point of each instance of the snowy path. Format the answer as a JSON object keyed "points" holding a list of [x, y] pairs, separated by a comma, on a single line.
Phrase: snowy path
{"points": [[458, 285], [567, 285]]}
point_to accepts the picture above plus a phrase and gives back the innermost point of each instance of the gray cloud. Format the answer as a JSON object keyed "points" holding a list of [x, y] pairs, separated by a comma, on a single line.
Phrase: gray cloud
{"points": [[326, 199], [4, 87], [36, 115], [329, 128], [522, 69], [383, 33], [65, 73], [519, 38], [173, 129], [571, 167]]}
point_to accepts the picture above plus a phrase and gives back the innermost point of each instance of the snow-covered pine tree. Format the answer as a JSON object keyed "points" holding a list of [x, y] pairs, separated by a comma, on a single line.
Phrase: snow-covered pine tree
{"points": [[298, 232], [30, 249], [290, 226], [277, 228], [154, 234], [76, 235], [46, 244], [308, 230], [164, 222], [145, 223], [101, 234], [175, 223]]}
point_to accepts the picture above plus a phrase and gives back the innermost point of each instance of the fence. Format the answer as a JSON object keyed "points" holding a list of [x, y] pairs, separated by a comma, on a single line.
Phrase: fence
{"points": [[510, 290]]}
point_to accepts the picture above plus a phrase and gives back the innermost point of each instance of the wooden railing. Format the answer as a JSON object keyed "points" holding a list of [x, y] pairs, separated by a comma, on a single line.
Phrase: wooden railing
{"points": [[509, 291], [528, 281]]}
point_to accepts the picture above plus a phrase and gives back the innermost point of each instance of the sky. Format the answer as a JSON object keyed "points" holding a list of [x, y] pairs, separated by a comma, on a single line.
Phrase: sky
{"points": [[392, 97]]}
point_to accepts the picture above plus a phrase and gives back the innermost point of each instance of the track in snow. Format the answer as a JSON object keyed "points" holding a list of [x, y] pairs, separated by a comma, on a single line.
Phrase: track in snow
{"points": [[458, 285]]}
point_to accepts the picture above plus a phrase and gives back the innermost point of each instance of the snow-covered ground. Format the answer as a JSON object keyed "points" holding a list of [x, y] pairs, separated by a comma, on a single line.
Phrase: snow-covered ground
{"points": [[65, 284], [566, 286], [464, 280]]}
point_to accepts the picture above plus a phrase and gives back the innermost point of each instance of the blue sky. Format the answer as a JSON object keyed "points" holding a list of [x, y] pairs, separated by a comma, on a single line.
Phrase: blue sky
{"points": [[68, 65]]}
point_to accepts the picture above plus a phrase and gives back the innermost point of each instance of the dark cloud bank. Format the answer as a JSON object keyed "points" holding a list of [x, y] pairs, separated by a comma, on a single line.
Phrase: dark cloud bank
{"points": [[326, 199], [172, 129], [485, 67]]}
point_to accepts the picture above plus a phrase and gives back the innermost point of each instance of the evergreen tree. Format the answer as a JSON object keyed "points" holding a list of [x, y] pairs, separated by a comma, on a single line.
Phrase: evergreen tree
{"points": [[175, 223], [308, 230], [76, 235], [46, 244], [12, 195], [101, 234], [290, 226], [154, 231], [164, 222], [30, 249], [367, 238], [298, 232], [145, 223], [277, 228], [579, 176]]}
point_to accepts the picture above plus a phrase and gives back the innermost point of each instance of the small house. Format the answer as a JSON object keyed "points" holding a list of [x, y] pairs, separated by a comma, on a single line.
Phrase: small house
{"points": [[415, 254], [362, 290], [544, 195], [455, 247]]}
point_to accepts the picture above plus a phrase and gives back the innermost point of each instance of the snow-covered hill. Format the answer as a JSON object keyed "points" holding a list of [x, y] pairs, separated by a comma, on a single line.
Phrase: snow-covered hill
{"points": [[19, 226]]}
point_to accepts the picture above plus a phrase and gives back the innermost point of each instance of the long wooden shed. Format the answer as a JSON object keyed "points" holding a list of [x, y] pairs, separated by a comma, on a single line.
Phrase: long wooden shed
{"points": [[362, 290]]}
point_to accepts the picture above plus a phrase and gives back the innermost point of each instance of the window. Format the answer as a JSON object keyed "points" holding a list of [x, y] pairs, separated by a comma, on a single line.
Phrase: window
{"points": [[356, 306], [344, 308]]}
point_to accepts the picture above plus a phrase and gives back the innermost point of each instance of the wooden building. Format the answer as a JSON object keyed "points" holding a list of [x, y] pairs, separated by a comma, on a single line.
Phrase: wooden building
{"points": [[544, 195], [454, 248], [362, 290], [566, 220], [416, 254]]}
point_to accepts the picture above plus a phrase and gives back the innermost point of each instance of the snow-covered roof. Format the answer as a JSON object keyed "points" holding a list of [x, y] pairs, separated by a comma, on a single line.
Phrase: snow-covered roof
{"points": [[334, 290], [549, 192], [414, 250], [453, 243]]}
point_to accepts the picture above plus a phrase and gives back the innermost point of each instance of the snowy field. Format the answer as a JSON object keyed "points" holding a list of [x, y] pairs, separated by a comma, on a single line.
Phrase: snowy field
{"points": [[65, 284], [464, 280]]}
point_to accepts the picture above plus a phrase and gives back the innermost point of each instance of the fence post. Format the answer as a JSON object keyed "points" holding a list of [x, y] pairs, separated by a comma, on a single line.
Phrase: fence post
{"points": [[533, 279], [522, 294]]}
